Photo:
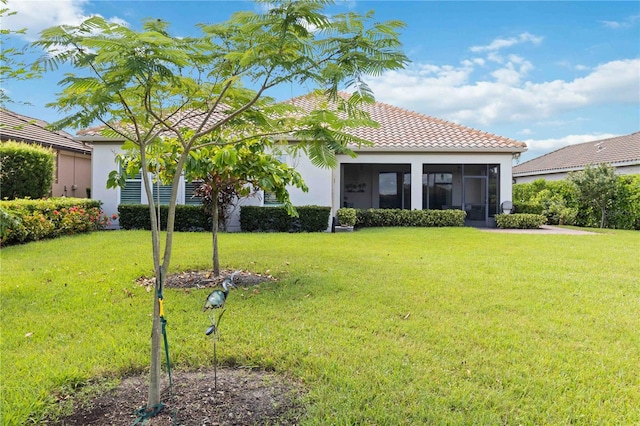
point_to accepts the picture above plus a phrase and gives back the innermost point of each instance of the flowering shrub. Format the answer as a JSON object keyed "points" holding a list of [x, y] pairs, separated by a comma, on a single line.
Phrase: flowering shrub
{"points": [[40, 219], [76, 219]]}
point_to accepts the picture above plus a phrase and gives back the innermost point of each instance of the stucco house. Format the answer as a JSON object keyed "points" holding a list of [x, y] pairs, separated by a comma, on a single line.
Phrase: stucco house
{"points": [[73, 157], [416, 162], [622, 153]]}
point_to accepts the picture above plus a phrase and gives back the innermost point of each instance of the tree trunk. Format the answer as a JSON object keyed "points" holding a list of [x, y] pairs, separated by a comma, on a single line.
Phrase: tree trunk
{"points": [[154, 370], [216, 258], [154, 374]]}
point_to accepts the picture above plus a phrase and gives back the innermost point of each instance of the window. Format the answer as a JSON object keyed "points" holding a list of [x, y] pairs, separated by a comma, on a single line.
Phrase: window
{"points": [[161, 193], [437, 190], [189, 197], [394, 190], [132, 191], [494, 189], [270, 199]]}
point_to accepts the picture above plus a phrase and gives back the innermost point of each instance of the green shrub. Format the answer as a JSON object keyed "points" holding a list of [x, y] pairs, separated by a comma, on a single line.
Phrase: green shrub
{"points": [[520, 221], [398, 217], [26, 171], [188, 218], [276, 219], [557, 212], [625, 210], [560, 202], [346, 216], [528, 207], [556, 200], [33, 220]]}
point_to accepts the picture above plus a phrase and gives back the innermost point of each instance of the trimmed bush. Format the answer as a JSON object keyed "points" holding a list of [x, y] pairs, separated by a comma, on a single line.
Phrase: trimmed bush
{"points": [[346, 216], [33, 220], [527, 207], [398, 217], [188, 218], [520, 221], [276, 219], [26, 171]]}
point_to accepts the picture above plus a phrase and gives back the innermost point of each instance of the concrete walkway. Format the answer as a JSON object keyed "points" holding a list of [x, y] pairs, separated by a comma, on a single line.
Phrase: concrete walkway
{"points": [[544, 229]]}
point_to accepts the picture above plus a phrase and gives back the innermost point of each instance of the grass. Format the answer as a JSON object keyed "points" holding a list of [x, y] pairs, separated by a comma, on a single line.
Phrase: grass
{"points": [[383, 326]]}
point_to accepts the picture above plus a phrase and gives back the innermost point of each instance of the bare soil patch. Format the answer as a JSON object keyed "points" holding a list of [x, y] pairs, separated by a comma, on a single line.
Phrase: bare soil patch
{"points": [[203, 279], [241, 397]]}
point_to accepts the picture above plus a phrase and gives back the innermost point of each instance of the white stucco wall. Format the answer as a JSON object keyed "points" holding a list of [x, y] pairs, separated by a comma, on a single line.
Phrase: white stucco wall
{"points": [[104, 153], [102, 163], [324, 184]]}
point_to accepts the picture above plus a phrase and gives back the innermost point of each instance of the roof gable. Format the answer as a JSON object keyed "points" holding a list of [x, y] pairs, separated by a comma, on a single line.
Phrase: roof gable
{"points": [[31, 130], [616, 151]]}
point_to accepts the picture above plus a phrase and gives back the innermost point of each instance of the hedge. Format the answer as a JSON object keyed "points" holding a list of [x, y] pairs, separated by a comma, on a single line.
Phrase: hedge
{"points": [[188, 218], [347, 216], [26, 171], [27, 220], [527, 207], [559, 202], [520, 221], [399, 217], [276, 219]]}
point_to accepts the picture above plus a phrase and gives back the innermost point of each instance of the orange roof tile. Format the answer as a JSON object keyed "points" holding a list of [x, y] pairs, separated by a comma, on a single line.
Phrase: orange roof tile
{"points": [[401, 129]]}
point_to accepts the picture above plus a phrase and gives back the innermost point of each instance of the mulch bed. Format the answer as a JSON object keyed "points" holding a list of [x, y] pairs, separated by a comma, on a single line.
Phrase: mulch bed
{"points": [[241, 397]]}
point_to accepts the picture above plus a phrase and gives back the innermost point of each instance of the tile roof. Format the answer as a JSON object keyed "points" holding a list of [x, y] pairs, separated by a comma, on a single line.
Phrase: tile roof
{"points": [[190, 119], [31, 130], [401, 129], [615, 151]]}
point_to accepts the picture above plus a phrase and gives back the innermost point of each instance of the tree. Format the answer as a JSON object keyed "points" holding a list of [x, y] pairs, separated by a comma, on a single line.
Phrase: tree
{"points": [[596, 188], [234, 171], [169, 96]]}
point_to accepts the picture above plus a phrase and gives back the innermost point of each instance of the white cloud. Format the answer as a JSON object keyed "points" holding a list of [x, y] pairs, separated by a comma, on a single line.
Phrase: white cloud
{"points": [[617, 25], [37, 15], [501, 43], [506, 96]]}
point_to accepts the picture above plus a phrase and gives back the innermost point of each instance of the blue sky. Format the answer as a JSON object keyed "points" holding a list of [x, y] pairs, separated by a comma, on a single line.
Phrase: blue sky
{"points": [[546, 73]]}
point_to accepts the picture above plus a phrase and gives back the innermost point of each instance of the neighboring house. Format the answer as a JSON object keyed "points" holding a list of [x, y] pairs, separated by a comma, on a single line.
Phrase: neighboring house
{"points": [[73, 158], [622, 153], [415, 162]]}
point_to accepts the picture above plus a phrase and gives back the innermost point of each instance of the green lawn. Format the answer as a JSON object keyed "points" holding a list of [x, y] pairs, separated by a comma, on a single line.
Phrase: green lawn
{"points": [[383, 326]]}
